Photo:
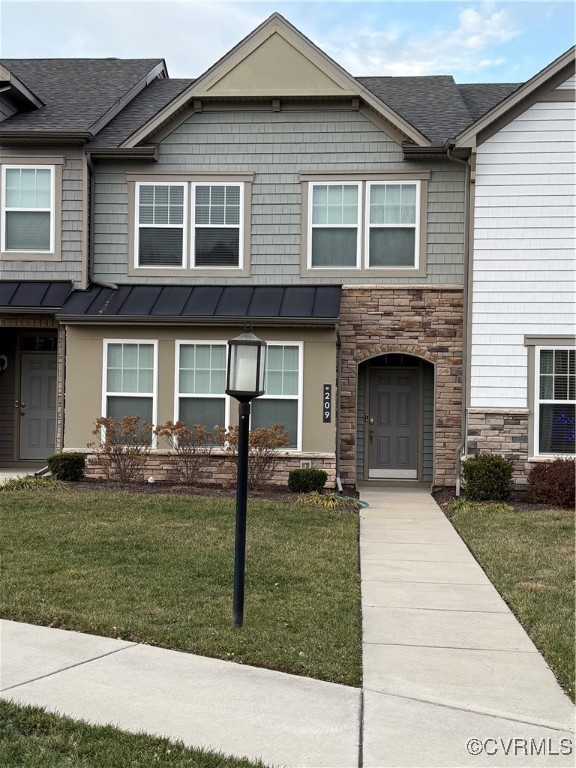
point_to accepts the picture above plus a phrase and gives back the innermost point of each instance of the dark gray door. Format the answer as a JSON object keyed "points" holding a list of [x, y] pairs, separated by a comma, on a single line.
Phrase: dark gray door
{"points": [[37, 405], [394, 424]]}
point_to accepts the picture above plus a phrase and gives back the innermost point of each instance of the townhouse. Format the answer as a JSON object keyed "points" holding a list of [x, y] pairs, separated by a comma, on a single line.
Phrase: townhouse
{"points": [[148, 220]]}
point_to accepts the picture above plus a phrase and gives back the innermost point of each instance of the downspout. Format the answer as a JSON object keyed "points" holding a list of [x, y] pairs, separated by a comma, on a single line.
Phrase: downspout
{"points": [[338, 380], [92, 190], [465, 296]]}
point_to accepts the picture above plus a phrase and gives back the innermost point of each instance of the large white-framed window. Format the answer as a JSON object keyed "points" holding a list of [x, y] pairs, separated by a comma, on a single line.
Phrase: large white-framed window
{"points": [[28, 209], [555, 401], [334, 225], [160, 224], [200, 384], [283, 398], [217, 239], [372, 223], [130, 380], [392, 225]]}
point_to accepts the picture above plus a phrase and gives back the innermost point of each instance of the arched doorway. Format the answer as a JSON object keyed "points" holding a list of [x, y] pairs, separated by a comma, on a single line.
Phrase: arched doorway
{"points": [[395, 428]]}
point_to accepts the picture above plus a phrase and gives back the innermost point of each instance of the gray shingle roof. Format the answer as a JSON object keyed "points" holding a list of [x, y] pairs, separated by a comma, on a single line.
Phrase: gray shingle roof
{"points": [[76, 92], [481, 97], [432, 104], [141, 109]]}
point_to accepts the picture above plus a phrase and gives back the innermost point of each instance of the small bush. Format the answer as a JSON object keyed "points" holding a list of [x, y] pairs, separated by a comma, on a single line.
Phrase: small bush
{"points": [[553, 482], [192, 447], [487, 477], [30, 483], [123, 447], [327, 501], [307, 480], [67, 466], [264, 454]]}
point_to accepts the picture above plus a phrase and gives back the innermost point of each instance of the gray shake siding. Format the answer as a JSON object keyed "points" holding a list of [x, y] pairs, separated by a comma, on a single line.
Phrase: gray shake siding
{"points": [[276, 147], [70, 266]]}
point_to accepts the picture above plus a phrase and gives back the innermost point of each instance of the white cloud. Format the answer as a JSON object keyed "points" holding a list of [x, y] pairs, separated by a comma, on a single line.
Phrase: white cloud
{"points": [[471, 44]]}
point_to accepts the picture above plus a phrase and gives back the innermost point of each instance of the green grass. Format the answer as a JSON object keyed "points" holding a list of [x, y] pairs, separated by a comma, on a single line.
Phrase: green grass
{"points": [[159, 569], [33, 738], [529, 557]]}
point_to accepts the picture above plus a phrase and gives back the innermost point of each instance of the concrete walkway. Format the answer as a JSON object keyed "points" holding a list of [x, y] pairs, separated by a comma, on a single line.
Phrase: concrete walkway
{"points": [[444, 662], [444, 659]]}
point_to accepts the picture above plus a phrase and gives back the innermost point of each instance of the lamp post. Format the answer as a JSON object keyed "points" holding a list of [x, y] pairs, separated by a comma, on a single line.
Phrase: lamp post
{"points": [[244, 382]]}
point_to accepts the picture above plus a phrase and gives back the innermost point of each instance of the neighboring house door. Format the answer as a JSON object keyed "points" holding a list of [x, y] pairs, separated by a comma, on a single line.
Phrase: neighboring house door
{"points": [[37, 405], [394, 424]]}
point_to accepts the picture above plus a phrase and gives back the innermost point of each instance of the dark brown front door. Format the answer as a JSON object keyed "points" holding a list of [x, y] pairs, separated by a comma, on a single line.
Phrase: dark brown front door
{"points": [[394, 424]]}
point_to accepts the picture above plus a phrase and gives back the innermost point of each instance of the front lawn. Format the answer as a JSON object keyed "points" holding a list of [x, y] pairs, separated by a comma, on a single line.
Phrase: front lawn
{"points": [[528, 553], [33, 738], [159, 569]]}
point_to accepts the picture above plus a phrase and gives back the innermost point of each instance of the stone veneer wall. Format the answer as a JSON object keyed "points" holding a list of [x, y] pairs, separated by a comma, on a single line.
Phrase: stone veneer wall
{"points": [[502, 431], [420, 321], [222, 469]]}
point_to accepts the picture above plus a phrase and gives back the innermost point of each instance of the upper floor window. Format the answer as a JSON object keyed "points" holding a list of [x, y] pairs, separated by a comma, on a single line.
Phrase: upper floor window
{"points": [[366, 225], [216, 237], [28, 208], [556, 401]]}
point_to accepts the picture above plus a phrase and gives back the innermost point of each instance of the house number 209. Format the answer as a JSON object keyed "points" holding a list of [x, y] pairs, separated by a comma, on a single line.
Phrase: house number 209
{"points": [[327, 404]]}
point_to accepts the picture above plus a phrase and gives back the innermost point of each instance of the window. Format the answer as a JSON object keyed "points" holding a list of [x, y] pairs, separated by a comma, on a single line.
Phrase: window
{"points": [[28, 208], [201, 384], [555, 401], [391, 230], [216, 238], [335, 225], [129, 380], [161, 223], [217, 225], [282, 403], [366, 225]]}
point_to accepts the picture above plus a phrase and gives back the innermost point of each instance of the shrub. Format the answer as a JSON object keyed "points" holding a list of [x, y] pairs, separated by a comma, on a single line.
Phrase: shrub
{"points": [[263, 450], [487, 477], [30, 483], [552, 482], [192, 448], [306, 480], [67, 466], [327, 501], [123, 447]]}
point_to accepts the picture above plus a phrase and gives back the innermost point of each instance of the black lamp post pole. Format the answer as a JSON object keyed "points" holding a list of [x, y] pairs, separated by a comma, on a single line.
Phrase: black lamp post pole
{"points": [[241, 503]]}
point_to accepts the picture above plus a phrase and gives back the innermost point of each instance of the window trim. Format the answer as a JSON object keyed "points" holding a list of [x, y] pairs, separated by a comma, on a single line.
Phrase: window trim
{"points": [[421, 178], [137, 225], [54, 165], [177, 394], [299, 397], [538, 401], [202, 178], [105, 393]]}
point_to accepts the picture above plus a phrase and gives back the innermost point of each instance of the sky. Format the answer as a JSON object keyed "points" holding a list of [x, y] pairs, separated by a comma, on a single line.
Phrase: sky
{"points": [[493, 41]]}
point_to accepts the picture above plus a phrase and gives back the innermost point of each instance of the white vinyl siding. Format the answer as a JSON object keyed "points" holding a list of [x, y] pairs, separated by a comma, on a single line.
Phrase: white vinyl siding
{"points": [[129, 383], [201, 383], [282, 401], [28, 208], [523, 248]]}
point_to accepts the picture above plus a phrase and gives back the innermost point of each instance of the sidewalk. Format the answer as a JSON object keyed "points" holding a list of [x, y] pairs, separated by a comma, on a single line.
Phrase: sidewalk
{"points": [[444, 662], [444, 659]]}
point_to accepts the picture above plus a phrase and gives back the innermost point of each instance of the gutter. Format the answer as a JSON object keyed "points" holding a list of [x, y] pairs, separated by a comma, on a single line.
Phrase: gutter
{"points": [[465, 325], [115, 153], [329, 322]]}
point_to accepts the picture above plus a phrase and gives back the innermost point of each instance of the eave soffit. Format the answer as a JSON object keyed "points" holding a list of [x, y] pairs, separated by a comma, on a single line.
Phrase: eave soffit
{"points": [[561, 68], [275, 61]]}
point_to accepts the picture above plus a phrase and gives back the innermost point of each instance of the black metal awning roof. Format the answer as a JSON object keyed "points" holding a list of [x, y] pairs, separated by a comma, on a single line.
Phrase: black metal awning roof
{"points": [[273, 304], [33, 295]]}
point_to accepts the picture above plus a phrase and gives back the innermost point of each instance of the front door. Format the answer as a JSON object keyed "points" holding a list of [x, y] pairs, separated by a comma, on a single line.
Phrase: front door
{"points": [[394, 424], [37, 405]]}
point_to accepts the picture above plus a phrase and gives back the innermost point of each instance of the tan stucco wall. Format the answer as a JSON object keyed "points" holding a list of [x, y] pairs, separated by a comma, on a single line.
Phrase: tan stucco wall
{"points": [[84, 359]]}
